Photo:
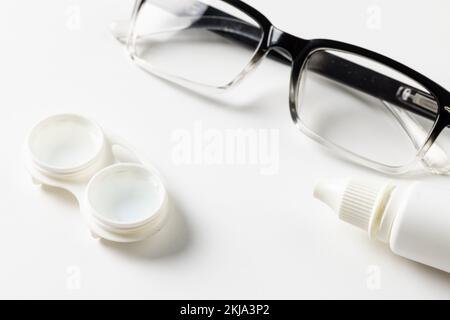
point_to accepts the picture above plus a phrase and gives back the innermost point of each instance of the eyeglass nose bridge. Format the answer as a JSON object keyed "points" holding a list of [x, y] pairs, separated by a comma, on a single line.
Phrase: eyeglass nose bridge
{"points": [[285, 43]]}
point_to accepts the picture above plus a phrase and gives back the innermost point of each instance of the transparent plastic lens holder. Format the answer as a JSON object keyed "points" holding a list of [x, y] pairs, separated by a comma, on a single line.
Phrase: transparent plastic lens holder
{"points": [[120, 201]]}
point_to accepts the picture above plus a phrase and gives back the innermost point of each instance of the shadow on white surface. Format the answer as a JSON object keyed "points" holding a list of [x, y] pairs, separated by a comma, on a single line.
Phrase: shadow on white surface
{"points": [[356, 169], [260, 96], [173, 239], [60, 195], [422, 270]]}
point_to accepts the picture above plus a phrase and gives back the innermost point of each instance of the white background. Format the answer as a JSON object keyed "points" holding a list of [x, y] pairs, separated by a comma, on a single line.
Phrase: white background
{"points": [[236, 233]]}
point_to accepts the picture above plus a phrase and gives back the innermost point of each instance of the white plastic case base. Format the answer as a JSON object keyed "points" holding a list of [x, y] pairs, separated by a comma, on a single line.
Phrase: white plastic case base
{"points": [[120, 201]]}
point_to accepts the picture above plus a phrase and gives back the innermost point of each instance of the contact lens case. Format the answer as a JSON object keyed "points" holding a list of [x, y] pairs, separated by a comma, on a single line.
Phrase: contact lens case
{"points": [[120, 201]]}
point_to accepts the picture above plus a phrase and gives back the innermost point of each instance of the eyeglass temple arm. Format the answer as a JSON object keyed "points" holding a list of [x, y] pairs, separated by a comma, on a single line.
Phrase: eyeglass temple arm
{"points": [[332, 67]]}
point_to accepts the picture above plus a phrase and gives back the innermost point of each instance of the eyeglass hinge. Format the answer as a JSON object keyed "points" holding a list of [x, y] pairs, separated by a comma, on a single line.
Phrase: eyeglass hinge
{"points": [[447, 108], [418, 98]]}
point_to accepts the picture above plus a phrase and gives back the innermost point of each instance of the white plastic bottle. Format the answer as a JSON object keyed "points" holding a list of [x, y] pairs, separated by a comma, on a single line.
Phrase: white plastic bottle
{"points": [[414, 220]]}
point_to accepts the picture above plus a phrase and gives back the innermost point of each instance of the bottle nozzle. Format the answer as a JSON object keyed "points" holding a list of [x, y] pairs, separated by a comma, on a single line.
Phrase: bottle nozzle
{"points": [[330, 192]]}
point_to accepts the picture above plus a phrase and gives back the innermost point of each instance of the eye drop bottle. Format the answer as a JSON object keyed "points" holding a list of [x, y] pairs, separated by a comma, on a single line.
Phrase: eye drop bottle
{"points": [[414, 220]]}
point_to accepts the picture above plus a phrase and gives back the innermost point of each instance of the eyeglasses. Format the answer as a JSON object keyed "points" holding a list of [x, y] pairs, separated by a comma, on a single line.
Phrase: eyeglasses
{"points": [[370, 108]]}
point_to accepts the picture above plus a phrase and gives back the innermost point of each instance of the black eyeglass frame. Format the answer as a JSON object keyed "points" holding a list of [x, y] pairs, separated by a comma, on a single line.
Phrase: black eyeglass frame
{"points": [[294, 50]]}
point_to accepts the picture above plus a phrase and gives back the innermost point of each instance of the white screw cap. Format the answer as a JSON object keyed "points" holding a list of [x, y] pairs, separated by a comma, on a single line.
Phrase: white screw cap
{"points": [[356, 201]]}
